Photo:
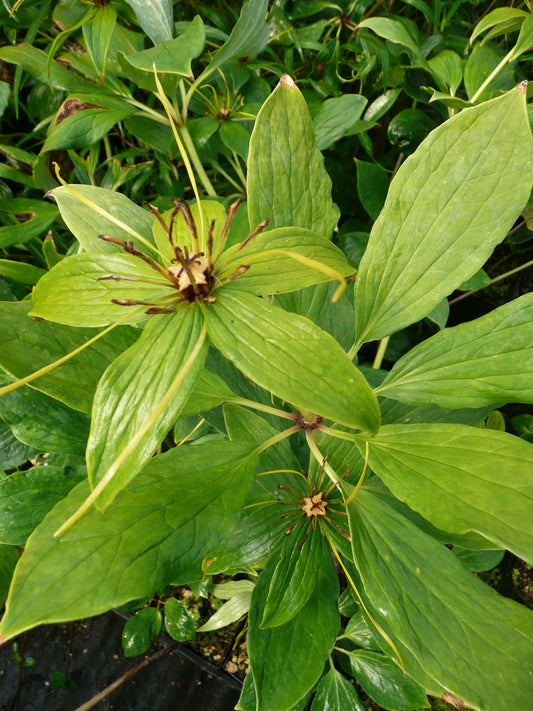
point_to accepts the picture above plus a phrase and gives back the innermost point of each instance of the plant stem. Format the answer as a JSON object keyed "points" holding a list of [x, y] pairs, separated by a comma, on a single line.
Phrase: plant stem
{"points": [[508, 57], [492, 281], [276, 438], [52, 366], [378, 360], [187, 140], [317, 454], [262, 408]]}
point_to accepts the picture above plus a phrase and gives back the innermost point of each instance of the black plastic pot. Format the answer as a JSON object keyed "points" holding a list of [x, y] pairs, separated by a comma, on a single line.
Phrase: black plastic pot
{"points": [[89, 655]]}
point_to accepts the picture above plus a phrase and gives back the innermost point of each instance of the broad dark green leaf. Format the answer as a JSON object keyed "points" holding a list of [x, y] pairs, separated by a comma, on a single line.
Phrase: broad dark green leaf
{"points": [[335, 693], [139, 397], [454, 634], [394, 31], [27, 496], [8, 559], [358, 631], [294, 577], [37, 64], [28, 345], [158, 530], [481, 62], [336, 117], [461, 479], [457, 195], [248, 37], [20, 272], [280, 273], [372, 186], [173, 56], [287, 661], [97, 35], [42, 422], [288, 355], [140, 631], [178, 622], [93, 211], [155, 18], [488, 361], [85, 128], [75, 292], [287, 180], [29, 217], [447, 68], [209, 391], [384, 681], [13, 453]]}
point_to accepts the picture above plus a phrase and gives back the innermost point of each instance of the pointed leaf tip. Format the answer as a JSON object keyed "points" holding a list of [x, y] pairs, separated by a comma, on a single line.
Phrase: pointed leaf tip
{"points": [[522, 87], [288, 83]]}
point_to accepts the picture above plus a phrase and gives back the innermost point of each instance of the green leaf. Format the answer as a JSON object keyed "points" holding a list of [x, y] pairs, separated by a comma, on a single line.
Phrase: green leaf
{"points": [[171, 57], [336, 117], [155, 18], [372, 186], [178, 622], [139, 398], [288, 355], [248, 37], [447, 68], [36, 63], [140, 631], [478, 561], [85, 128], [384, 681], [158, 530], [335, 693], [294, 577], [481, 62], [209, 391], [20, 272], [280, 273], [30, 218], [287, 180], [483, 362], [501, 16], [287, 661], [97, 35], [235, 137], [231, 611], [443, 620], [103, 212], [461, 479], [76, 291], [28, 346], [394, 31], [27, 496], [8, 559], [44, 423], [457, 195], [358, 631], [13, 453]]}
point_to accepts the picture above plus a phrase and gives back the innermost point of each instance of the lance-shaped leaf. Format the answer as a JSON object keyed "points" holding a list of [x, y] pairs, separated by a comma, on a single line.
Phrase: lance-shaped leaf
{"points": [[448, 206], [290, 356], [294, 577], [27, 346], [314, 260], [287, 181], [140, 396], [287, 661], [454, 634], [155, 17], [171, 57], [90, 211], [78, 292], [249, 36], [461, 479], [158, 531], [488, 361]]}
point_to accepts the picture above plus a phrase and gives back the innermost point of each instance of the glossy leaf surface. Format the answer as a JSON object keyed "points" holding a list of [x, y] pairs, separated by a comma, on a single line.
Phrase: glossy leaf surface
{"points": [[488, 361], [29, 345], [155, 17], [288, 355], [280, 273], [461, 479], [448, 206], [140, 396], [445, 623], [158, 531], [75, 292], [287, 180], [140, 631], [287, 661], [335, 693]]}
